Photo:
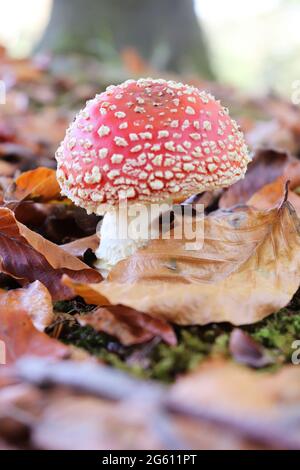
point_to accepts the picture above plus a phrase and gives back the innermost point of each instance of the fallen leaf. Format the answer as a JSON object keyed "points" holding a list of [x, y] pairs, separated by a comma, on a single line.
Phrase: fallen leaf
{"points": [[40, 184], [272, 134], [245, 251], [87, 423], [267, 165], [260, 406], [18, 155], [270, 194], [128, 325], [27, 256], [286, 113], [58, 222], [247, 351], [79, 247], [221, 384], [35, 300], [22, 338]]}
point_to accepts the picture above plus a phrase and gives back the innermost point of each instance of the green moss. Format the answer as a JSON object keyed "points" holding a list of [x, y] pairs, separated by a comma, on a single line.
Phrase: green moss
{"points": [[278, 332], [162, 362]]}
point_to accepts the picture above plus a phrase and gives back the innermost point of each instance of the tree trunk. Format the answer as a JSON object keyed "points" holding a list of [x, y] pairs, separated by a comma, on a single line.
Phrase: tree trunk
{"points": [[166, 33]]}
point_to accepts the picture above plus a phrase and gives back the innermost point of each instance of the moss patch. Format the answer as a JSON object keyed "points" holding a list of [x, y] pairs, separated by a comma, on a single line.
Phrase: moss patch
{"points": [[162, 362]]}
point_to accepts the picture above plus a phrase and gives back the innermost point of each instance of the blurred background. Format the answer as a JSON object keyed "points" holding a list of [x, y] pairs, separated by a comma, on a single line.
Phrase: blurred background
{"points": [[254, 46]]}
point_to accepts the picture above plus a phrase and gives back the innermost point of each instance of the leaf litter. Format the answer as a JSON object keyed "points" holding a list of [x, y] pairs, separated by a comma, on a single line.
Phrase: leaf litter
{"points": [[244, 305]]}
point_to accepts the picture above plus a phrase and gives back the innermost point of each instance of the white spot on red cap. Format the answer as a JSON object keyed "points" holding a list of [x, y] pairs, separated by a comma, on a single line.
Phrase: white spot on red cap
{"points": [[103, 153], [120, 141], [103, 131], [189, 110], [117, 158], [120, 114]]}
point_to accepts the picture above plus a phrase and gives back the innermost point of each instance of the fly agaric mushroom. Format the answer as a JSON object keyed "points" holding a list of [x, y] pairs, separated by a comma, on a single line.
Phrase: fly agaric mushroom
{"points": [[146, 141]]}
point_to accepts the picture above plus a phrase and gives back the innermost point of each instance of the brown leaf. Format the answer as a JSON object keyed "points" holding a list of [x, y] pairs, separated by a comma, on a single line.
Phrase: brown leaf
{"points": [[40, 184], [248, 268], [35, 300], [247, 351], [87, 423], [231, 394], [286, 112], [79, 247], [270, 194], [222, 384], [19, 156], [128, 325], [266, 166], [272, 134], [58, 222], [22, 338], [27, 256]]}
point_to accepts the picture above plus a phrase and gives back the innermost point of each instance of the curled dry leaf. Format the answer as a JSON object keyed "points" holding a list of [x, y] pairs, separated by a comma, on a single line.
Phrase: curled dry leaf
{"points": [[245, 251], [270, 195], [27, 256], [38, 184], [128, 325], [58, 222], [267, 165], [79, 247], [35, 300]]}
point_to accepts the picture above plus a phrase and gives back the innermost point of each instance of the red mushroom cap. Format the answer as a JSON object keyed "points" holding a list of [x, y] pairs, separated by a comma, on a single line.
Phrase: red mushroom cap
{"points": [[149, 140]]}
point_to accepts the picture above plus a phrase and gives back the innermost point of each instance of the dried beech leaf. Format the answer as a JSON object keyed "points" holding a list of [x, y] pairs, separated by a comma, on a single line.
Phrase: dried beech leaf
{"points": [[56, 221], [271, 134], [80, 246], [267, 165], [255, 405], [249, 267], [35, 300], [128, 325], [22, 338], [38, 184], [270, 194], [228, 389], [27, 256]]}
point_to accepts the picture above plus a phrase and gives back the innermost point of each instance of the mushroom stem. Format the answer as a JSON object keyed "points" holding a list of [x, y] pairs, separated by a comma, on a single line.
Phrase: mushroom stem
{"points": [[124, 230]]}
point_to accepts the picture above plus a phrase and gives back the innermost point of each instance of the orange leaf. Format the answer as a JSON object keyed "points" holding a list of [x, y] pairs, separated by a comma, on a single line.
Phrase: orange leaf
{"points": [[270, 194], [267, 165], [79, 247], [38, 184]]}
